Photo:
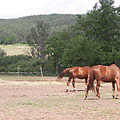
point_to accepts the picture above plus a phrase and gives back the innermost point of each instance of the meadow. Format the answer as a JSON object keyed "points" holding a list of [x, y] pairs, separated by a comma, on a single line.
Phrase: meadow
{"points": [[16, 49]]}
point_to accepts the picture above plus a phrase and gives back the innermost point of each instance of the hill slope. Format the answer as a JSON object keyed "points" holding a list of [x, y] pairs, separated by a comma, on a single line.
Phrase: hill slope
{"points": [[17, 28], [29, 21]]}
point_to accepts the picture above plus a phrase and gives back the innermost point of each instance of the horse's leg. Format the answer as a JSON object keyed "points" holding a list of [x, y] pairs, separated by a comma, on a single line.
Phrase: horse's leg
{"points": [[73, 83], [85, 84], [113, 88], [97, 88], [118, 88], [88, 88], [68, 84]]}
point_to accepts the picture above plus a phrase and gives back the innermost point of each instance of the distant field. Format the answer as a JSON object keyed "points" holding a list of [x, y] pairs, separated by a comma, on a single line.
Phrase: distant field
{"points": [[16, 49]]}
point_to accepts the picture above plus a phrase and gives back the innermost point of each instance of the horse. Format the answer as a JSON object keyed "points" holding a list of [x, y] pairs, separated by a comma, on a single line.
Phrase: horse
{"points": [[76, 72], [105, 74]]}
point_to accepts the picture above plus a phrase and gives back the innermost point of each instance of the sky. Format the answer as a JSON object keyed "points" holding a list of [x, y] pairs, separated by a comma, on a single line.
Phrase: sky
{"points": [[20, 8]]}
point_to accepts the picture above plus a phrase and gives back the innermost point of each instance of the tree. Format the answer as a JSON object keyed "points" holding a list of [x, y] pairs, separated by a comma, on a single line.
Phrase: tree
{"points": [[81, 52], [37, 37], [7, 38], [102, 25], [56, 46], [2, 53]]}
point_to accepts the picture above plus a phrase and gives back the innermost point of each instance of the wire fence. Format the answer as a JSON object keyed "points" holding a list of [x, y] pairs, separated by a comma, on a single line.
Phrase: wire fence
{"points": [[18, 72]]}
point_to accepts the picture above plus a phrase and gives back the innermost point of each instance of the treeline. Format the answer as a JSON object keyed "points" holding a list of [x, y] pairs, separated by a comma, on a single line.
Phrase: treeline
{"points": [[93, 39], [26, 65], [15, 30]]}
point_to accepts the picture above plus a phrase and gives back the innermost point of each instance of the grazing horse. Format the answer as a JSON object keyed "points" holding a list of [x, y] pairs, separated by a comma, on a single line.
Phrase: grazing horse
{"points": [[76, 72], [105, 74]]}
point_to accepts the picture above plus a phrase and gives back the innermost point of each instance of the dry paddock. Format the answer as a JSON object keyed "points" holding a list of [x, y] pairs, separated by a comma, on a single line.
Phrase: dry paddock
{"points": [[45, 99]]}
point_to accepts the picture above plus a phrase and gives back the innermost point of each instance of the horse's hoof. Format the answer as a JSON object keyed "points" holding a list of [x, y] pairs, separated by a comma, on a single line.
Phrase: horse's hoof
{"points": [[116, 96], [85, 98], [67, 90], [74, 90], [113, 96], [98, 97]]}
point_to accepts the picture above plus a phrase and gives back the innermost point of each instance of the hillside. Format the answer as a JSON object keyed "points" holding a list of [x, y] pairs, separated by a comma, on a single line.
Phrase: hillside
{"points": [[14, 30], [29, 21]]}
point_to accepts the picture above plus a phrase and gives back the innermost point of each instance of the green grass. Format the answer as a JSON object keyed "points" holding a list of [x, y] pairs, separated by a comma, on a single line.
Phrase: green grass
{"points": [[16, 49], [20, 78], [28, 104], [26, 81]]}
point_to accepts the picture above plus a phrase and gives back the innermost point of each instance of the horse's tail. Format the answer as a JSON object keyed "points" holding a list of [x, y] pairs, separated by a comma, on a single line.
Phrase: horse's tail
{"points": [[91, 80], [62, 74]]}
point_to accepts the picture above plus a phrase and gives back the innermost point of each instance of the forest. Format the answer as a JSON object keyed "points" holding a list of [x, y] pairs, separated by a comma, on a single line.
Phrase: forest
{"points": [[58, 41], [14, 30]]}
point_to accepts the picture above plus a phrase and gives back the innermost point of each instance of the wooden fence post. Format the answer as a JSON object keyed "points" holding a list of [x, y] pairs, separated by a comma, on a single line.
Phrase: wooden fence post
{"points": [[41, 71], [18, 70]]}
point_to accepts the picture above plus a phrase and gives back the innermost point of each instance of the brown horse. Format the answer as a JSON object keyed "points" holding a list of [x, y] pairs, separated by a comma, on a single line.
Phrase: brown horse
{"points": [[76, 72], [105, 74]]}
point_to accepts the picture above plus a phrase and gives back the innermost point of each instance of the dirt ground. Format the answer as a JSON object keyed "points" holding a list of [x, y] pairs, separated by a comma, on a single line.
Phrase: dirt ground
{"points": [[47, 100]]}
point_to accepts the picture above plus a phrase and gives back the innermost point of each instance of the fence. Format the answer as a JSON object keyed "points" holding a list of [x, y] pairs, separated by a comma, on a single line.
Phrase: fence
{"points": [[18, 72]]}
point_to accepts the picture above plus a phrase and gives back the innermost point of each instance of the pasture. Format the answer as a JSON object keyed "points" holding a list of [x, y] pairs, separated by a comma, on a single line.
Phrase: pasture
{"points": [[16, 49], [36, 98]]}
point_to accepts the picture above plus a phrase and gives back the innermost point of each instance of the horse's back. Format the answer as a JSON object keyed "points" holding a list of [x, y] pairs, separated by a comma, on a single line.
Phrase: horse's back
{"points": [[106, 73], [99, 71], [116, 70], [85, 71], [80, 72], [115, 67]]}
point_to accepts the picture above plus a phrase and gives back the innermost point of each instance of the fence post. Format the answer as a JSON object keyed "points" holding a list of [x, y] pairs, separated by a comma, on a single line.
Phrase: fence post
{"points": [[41, 71], [18, 70]]}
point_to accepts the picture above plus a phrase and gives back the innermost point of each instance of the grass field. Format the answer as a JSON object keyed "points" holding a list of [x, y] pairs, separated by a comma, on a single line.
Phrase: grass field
{"points": [[16, 49]]}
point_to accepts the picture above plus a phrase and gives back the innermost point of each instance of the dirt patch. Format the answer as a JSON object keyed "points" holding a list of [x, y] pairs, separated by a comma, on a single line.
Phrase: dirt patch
{"points": [[48, 101]]}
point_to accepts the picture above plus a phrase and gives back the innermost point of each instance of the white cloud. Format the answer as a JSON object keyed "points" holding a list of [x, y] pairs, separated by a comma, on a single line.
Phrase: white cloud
{"points": [[19, 8]]}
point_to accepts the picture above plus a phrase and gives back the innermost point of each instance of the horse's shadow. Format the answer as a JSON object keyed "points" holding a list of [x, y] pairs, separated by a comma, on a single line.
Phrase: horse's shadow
{"points": [[92, 99], [80, 90], [103, 98], [76, 90], [110, 98]]}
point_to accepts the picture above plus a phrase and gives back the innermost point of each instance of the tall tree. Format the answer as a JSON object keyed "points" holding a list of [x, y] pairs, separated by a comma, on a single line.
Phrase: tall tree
{"points": [[102, 24], [56, 46], [81, 52], [37, 37]]}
